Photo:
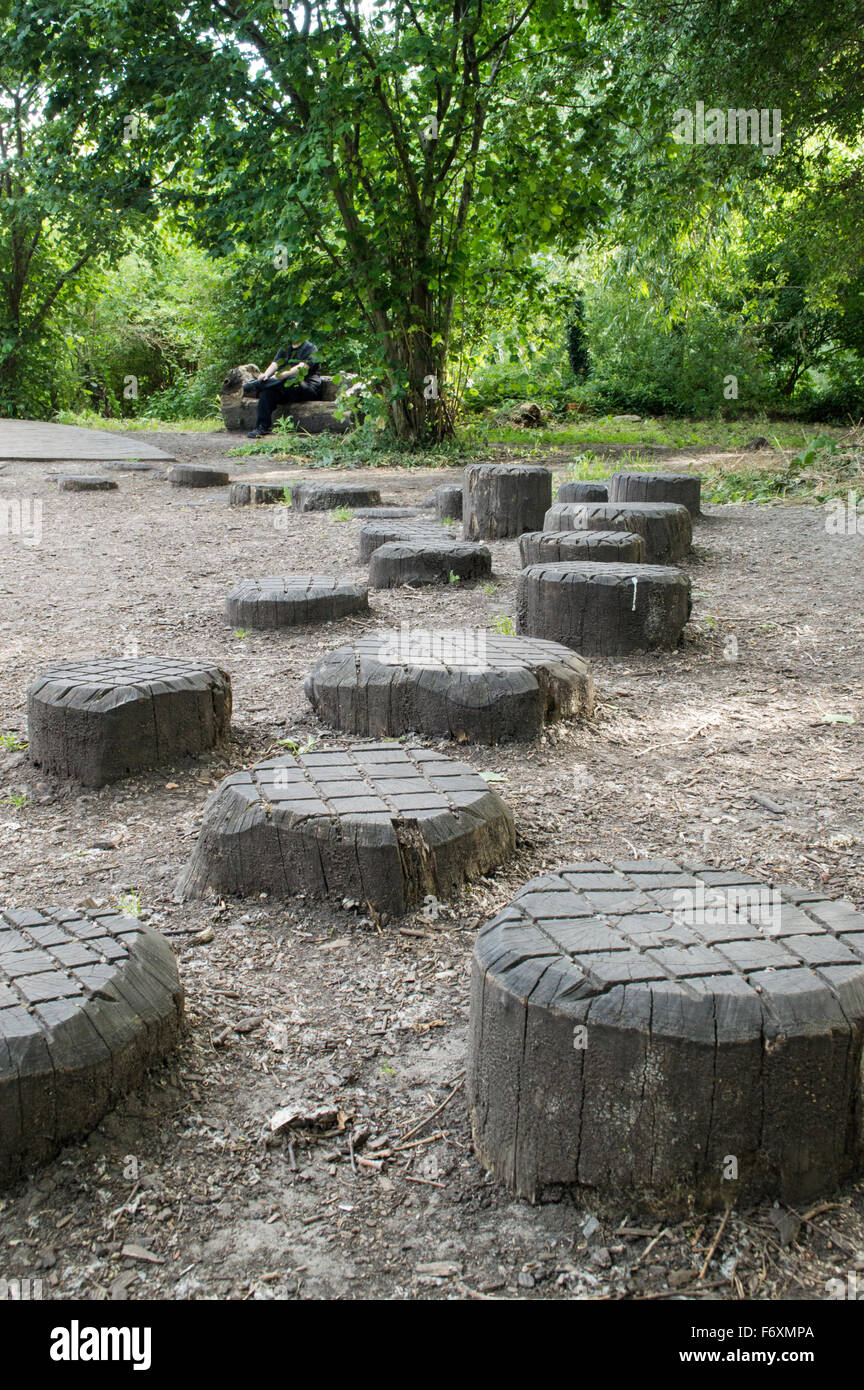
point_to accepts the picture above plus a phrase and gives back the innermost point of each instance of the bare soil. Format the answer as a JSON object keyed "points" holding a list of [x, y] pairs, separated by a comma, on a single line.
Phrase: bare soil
{"points": [[738, 749]]}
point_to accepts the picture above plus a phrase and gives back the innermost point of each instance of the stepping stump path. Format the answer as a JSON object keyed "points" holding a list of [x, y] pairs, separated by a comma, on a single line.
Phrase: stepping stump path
{"points": [[604, 609], [380, 823], [256, 494], [99, 720], [576, 491], [293, 599], [692, 1038], [417, 562], [88, 1001], [500, 500], [78, 482], [325, 497], [684, 489], [666, 528], [377, 533], [448, 502], [471, 686], [622, 547], [194, 475]]}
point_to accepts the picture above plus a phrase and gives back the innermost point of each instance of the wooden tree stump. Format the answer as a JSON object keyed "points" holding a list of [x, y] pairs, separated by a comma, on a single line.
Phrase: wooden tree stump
{"points": [[617, 547], [374, 534], [604, 609], [256, 494], [385, 513], [577, 491], [690, 1038], [79, 482], [448, 502], [88, 1002], [96, 721], [666, 529], [417, 562], [324, 497], [194, 475], [470, 686], [291, 600], [503, 499], [684, 489], [381, 823]]}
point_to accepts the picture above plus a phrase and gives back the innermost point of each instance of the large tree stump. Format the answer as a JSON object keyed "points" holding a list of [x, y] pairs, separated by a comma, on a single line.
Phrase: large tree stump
{"points": [[690, 1038], [577, 491], [684, 489], [381, 823], [88, 1001], [96, 721], [374, 534], [666, 529], [461, 684], [417, 562], [617, 547], [604, 609], [503, 499], [324, 497], [291, 600]]}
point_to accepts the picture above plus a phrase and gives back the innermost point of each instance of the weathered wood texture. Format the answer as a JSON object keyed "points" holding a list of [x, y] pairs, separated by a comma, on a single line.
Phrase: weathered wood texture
{"points": [[471, 686], [501, 499], [622, 547], [378, 822], [577, 491], [257, 494], [666, 528], [627, 1040], [448, 502], [684, 489], [195, 475], [418, 562], [381, 532], [88, 1001], [604, 609], [80, 482], [96, 721], [385, 513], [324, 497], [293, 599]]}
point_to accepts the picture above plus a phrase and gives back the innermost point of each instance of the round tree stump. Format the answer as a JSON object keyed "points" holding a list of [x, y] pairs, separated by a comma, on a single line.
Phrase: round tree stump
{"points": [[88, 1001], [684, 489], [78, 482], [621, 547], [690, 1038], [381, 823], [604, 609], [384, 513], [128, 465], [324, 497], [293, 599], [502, 499], [256, 494], [417, 562], [576, 491], [194, 475], [96, 721], [666, 529], [462, 684], [374, 534], [448, 502]]}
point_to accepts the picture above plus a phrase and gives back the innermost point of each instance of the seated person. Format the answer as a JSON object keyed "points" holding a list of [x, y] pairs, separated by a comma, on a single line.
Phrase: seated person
{"points": [[293, 375]]}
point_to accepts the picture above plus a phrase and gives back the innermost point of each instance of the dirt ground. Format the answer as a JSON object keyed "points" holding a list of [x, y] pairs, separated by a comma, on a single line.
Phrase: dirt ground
{"points": [[742, 748]]}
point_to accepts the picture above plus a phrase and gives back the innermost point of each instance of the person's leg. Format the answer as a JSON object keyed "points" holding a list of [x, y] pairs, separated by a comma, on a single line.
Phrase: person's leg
{"points": [[270, 397]]}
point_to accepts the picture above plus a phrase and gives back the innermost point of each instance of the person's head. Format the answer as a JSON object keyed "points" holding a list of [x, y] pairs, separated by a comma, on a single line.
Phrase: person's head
{"points": [[296, 334]]}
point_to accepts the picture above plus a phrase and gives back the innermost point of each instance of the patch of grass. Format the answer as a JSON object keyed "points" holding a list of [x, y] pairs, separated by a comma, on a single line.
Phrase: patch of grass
{"points": [[341, 514], [129, 904], [16, 799], [489, 588], [296, 748], [454, 577], [503, 625], [88, 419], [11, 743], [241, 632]]}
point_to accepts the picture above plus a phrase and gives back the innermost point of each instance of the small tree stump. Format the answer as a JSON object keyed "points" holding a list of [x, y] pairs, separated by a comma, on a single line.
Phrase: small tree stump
{"points": [[502, 499], [577, 491], [604, 609], [96, 721], [194, 475], [459, 684], [378, 822], [256, 494], [384, 513], [448, 502], [635, 1030], [88, 1002], [374, 534], [617, 547], [324, 497], [294, 599], [128, 465], [684, 489], [666, 529], [418, 562], [79, 482]]}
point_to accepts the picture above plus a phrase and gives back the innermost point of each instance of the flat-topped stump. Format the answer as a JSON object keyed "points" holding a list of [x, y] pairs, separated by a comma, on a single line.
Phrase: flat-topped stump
{"points": [[98, 720], [684, 489], [500, 500], [467, 685], [257, 494], [196, 475], [604, 609], [665, 527], [290, 600], [79, 482], [381, 823], [324, 497], [417, 562], [384, 513], [577, 491], [448, 502], [622, 547], [88, 1001], [692, 1038], [381, 531]]}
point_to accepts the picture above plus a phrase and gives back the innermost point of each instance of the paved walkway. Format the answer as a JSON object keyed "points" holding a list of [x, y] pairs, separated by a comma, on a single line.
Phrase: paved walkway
{"points": [[45, 443]]}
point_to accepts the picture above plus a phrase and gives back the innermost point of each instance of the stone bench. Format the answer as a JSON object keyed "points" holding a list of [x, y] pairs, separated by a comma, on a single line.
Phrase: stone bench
{"points": [[292, 600], [604, 609], [666, 528], [687, 1037]]}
